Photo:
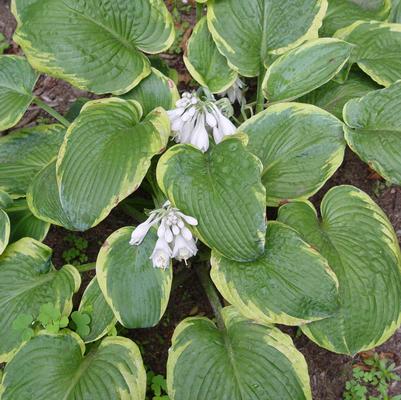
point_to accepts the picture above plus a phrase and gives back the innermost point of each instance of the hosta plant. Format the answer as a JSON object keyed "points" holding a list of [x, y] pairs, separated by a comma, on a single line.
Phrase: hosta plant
{"points": [[198, 170]]}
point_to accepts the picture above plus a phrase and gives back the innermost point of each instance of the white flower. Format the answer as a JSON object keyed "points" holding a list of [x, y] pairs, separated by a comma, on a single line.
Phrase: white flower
{"points": [[235, 92], [175, 240], [161, 254], [223, 128]]}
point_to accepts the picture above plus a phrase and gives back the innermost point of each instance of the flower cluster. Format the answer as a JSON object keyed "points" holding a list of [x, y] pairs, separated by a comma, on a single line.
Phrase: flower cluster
{"points": [[175, 240], [235, 92], [194, 118]]}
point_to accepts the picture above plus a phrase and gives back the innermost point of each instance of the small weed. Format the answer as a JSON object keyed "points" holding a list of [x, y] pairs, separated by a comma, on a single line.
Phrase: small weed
{"points": [[76, 254], [157, 387]]}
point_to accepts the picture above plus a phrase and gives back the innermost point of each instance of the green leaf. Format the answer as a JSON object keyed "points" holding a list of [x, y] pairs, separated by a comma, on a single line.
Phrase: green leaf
{"points": [[223, 191], [27, 281], [110, 150], [94, 46], [4, 230], [3, 43], [373, 130], [245, 361], [333, 95], [101, 317], [342, 13], [305, 68], [290, 284], [137, 292], [54, 367], [361, 247], [300, 146], [82, 321], [17, 80], [156, 90], [24, 153], [377, 49], [5, 199], [24, 223], [395, 16], [252, 36], [205, 63]]}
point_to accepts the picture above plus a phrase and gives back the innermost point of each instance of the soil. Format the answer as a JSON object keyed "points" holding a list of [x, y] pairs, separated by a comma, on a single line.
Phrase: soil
{"points": [[328, 371]]}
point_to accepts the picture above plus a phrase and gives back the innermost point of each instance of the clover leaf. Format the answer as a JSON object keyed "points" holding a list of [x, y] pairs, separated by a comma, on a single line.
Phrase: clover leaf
{"points": [[23, 324], [81, 321], [51, 319]]}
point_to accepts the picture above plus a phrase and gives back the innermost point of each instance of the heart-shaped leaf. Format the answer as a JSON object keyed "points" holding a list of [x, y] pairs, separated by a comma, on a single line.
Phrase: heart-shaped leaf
{"points": [[361, 247], [137, 292], [300, 146], [377, 49], [156, 90], [54, 367], [24, 223], [342, 13], [247, 360], [223, 191], [24, 153], [205, 63], [101, 317], [290, 284], [252, 35], [94, 46], [17, 80], [305, 68], [27, 281], [4, 230], [333, 96], [373, 130]]}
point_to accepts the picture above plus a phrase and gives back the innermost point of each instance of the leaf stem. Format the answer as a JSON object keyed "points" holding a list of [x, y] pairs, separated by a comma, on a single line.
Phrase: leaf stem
{"points": [[199, 11], [260, 100], [51, 111], [86, 267], [203, 272]]}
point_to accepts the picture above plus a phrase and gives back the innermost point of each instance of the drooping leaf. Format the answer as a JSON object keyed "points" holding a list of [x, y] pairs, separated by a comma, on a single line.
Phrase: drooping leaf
{"points": [[205, 63], [109, 149], [377, 49], [342, 13], [289, 284], [373, 130], [24, 153], [305, 68], [101, 315], [54, 367], [300, 146], [4, 230], [95, 46], [27, 281], [137, 292], [156, 90], [245, 361], [251, 36], [361, 247], [24, 223], [333, 95], [223, 191], [17, 80]]}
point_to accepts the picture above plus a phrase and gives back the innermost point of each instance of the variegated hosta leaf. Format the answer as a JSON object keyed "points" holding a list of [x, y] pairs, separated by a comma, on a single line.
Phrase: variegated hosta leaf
{"points": [[395, 13], [156, 90], [251, 35], [223, 191], [24, 223], [300, 146], [377, 50], [24, 153], [54, 367], [94, 45], [332, 96], [17, 80], [373, 130], [361, 247], [27, 281], [342, 13], [247, 360], [95, 306], [4, 230], [5, 199], [105, 155], [137, 292], [305, 68], [289, 284], [205, 63]]}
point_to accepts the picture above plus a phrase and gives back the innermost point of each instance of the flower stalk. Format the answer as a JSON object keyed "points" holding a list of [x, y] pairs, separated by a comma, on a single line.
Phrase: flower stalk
{"points": [[52, 112]]}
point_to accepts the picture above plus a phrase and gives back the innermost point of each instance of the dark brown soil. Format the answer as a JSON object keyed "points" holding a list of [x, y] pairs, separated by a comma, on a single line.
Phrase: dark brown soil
{"points": [[328, 371]]}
